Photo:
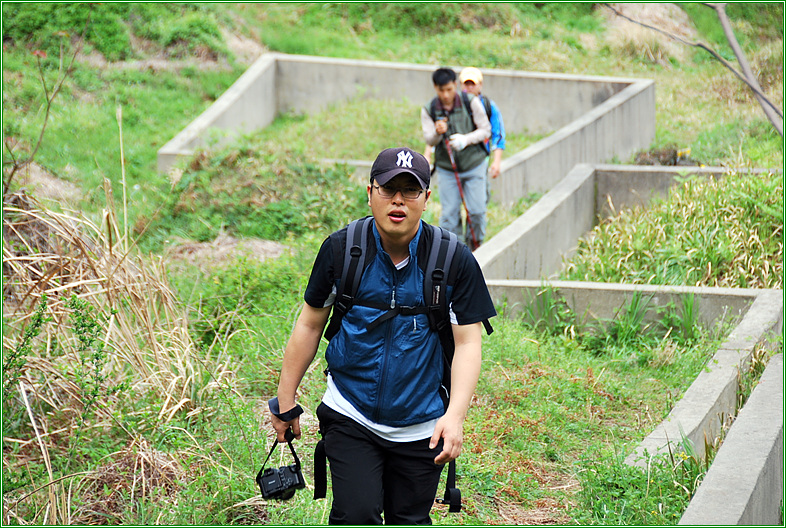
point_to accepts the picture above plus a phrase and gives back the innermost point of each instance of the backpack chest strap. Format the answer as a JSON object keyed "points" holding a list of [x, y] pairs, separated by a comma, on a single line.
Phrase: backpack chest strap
{"points": [[393, 312]]}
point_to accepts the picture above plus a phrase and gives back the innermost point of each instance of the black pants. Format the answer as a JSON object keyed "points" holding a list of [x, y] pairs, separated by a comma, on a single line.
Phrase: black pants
{"points": [[372, 475]]}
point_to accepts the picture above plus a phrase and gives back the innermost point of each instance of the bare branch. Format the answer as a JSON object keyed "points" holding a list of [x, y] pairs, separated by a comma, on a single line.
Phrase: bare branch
{"points": [[755, 88], [50, 97], [768, 108]]}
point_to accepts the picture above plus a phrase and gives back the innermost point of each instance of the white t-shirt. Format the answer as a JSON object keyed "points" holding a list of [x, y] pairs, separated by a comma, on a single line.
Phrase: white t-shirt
{"points": [[409, 433]]}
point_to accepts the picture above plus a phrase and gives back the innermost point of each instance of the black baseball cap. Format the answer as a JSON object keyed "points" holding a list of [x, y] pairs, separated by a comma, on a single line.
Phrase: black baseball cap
{"points": [[401, 160]]}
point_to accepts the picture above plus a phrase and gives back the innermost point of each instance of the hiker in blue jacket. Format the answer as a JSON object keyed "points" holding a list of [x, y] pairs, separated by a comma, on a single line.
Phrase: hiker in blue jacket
{"points": [[386, 430], [471, 80]]}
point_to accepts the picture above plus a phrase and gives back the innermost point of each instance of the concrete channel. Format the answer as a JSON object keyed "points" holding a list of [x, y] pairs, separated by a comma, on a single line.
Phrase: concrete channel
{"points": [[594, 119]]}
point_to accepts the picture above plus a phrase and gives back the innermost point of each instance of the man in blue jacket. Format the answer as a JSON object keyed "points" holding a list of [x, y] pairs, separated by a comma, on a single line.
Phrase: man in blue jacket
{"points": [[471, 80], [386, 430]]}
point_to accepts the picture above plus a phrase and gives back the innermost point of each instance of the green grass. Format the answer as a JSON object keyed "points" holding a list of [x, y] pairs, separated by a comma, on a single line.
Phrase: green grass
{"points": [[87, 109], [547, 413]]}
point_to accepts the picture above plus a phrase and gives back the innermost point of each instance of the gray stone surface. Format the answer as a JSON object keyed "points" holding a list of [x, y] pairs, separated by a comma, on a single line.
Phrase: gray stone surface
{"points": [[744, 485]]}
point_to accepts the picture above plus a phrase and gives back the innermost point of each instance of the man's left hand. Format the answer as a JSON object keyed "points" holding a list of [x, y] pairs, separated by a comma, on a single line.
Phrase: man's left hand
{"points": [[458, 141], [452, 432]]}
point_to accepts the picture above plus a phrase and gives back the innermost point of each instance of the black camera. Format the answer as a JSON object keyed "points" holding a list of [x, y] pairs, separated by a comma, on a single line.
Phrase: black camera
{"points": [[281, 483]]}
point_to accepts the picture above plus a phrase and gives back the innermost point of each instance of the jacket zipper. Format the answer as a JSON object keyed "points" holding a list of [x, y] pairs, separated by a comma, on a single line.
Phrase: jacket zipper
{"points": [[386, 350]]}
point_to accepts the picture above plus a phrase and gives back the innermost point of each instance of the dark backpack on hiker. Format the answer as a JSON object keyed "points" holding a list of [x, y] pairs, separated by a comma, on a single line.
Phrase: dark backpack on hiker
{"points": [[465, 101], [353, 250]]}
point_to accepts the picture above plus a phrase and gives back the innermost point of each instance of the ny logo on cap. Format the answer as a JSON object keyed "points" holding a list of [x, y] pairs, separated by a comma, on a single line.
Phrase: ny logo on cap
{"points": [[404, 159]]}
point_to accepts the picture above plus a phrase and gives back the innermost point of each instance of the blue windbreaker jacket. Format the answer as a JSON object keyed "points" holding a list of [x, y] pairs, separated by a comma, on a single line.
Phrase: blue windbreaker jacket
{"points": [[392, 373]]}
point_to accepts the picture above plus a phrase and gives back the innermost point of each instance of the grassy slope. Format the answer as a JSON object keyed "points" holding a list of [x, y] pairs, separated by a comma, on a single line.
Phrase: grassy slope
{"points": [[721, 124]]}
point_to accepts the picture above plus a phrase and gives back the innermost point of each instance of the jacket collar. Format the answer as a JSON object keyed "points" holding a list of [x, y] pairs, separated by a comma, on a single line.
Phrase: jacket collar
{"points": [[413, 244]]}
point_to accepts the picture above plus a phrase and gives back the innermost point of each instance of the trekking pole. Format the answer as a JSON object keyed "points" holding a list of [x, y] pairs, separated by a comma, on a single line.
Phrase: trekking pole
{"points": [[461, 193]]}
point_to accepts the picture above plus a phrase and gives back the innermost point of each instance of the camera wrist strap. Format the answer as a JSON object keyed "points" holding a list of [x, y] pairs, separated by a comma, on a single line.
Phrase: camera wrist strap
{"points": [[289, 436]]}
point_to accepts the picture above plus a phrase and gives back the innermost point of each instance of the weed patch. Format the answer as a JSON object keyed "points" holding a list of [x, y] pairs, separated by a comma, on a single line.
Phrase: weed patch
{"points": [[273, 198], [716, 232], [553, 410], [614, 493]]}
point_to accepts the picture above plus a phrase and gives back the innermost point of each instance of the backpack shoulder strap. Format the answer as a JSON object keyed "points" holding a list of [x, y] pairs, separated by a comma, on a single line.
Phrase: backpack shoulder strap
{"points": [[350, 254], [432, 109], [486, 106], [435, 277], [466, 101], [443, 246]]}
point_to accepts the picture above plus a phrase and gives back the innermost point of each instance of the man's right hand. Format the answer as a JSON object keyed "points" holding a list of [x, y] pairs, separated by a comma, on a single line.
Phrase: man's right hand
{"points": [[494, 169], [281, 428], [441, 126]]}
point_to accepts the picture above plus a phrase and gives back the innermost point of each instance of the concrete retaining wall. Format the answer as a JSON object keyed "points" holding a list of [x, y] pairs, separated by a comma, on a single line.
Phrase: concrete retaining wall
{"points": [[711, 399], [249, 104], [620, 126], [595, 302], [533, 245], [744, 485], [595, 118]]}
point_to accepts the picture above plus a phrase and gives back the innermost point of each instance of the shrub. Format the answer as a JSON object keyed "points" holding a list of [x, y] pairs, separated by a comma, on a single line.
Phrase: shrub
{"points": [[238, 193], [108, 26], [194, 31]]}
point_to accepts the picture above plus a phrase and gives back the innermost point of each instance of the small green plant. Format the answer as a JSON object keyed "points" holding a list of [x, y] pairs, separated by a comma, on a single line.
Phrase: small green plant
{"points": [[626, 332], [615, 493], [15, 359], [681, 324], [748, 378], [549, 313], [89, 373], [687, 466]]}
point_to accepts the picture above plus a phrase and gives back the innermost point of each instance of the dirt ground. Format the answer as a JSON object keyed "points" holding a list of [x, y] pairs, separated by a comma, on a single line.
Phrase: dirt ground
{"points": [[667, 17]]}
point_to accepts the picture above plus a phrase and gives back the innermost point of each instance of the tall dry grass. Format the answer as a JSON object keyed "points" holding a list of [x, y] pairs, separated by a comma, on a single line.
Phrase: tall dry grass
{"points": [[144, 345]]}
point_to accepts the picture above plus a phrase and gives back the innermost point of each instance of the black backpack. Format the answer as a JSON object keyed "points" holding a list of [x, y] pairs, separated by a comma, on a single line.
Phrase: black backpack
{"points": [[465, 100], [353, 250]]}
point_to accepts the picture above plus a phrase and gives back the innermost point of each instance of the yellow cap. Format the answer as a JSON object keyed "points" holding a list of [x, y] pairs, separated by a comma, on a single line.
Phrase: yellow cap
{"points": [[471, 74]]}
